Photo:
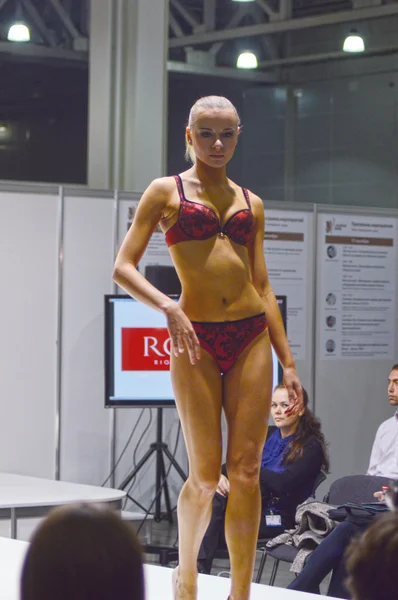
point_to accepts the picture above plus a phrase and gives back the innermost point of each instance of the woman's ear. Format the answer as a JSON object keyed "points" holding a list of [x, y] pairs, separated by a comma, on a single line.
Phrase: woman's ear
{"points": [[188, 136], [239, 130]]}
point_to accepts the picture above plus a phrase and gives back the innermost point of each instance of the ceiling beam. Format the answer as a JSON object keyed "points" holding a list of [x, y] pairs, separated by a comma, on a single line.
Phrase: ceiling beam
{"points": [[175, 26], [374, 12], [325, 57], [209, 15], [38, 22], [35, 52], [65, 18], [185, 13], [267, 9], [224, 72], [241, 12]]}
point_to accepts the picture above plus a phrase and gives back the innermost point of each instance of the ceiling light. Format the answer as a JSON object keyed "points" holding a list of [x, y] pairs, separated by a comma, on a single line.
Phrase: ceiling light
{"points": [[353, 42], [18, 32], [247, 60], [242, 0]]}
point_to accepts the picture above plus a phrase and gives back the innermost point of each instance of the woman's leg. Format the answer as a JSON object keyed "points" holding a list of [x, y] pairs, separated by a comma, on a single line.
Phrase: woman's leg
{"points": [[247, 398], [214, 536], [198, 394]]}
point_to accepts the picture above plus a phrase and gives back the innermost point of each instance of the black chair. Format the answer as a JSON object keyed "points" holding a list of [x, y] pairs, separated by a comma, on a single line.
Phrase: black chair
{"points": [[351, 488], [288, 549]]}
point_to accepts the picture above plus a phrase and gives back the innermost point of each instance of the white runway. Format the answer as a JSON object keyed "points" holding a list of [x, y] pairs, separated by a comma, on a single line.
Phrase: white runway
{"points": [[158, 580]]}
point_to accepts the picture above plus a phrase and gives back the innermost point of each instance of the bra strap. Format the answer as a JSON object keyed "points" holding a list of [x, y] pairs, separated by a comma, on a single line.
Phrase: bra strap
{"points": [[179, 187], [246, 195]]}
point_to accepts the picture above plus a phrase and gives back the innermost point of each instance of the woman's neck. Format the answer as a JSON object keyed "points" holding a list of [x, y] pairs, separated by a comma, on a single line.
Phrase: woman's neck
{"points": [[286, 431], [209, 175]]}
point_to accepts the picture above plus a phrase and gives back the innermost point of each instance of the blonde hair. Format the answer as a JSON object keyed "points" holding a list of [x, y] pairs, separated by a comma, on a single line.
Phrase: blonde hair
{"points": [[206, 102]]}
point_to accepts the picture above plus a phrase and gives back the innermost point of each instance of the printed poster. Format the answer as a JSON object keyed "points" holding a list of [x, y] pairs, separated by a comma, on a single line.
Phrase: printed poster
{"points": [[358, 286], [286, 255]]}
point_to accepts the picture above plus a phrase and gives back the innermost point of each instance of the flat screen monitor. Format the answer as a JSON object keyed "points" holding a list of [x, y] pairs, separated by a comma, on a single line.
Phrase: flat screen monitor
{"points": [[137, 354]]}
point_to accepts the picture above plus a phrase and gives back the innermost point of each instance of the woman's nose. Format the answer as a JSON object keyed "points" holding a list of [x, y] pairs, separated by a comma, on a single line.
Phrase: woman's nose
{"points": [[217, 143]]}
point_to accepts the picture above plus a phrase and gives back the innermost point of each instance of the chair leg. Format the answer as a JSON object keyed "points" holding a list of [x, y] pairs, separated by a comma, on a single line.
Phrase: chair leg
{"points": [[274, 572], [261, 566]]}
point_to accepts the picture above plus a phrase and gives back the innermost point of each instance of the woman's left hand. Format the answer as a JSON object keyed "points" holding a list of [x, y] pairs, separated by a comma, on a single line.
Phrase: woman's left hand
{"points": [[294, 390]]}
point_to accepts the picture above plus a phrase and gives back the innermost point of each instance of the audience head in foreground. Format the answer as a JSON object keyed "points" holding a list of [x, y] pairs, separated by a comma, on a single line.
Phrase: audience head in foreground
{"points": [[83, 552], [372, 561]]}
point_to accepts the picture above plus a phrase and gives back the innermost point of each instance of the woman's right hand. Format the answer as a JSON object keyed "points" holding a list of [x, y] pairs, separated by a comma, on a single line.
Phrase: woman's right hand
{"points": [[182, 334], [223, 486]]}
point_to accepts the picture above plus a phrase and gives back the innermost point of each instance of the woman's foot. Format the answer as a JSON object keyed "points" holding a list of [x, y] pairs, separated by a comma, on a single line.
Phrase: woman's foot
{"points": [[182, 591]]}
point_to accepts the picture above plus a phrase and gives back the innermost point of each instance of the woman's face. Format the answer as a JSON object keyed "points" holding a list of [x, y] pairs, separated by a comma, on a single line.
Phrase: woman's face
{"points": [[279, 403], [214, 136]]}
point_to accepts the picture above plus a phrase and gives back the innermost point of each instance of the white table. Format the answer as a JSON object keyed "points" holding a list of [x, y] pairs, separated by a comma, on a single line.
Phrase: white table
{"points": [[22, 496], [12, 554], [157, 580]]}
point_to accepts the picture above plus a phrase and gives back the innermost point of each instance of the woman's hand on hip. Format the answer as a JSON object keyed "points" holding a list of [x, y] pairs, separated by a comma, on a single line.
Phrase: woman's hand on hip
{"points": [[294, 390], [182, 334]]}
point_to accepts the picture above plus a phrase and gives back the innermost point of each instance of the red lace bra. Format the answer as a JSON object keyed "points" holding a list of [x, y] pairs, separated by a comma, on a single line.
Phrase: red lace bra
{"points": [[199, 222]]}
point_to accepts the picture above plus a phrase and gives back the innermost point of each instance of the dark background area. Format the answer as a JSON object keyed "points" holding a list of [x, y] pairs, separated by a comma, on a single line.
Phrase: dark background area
{"points": [[44, 110]]}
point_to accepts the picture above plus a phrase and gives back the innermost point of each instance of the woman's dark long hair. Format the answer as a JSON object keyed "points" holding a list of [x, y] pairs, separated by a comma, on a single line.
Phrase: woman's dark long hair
{"points": [[308, 427]]}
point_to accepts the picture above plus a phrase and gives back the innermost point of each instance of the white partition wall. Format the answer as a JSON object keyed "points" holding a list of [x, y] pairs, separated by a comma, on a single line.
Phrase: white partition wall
{"points": [[351, 391], [88, 249], [29, 220]]}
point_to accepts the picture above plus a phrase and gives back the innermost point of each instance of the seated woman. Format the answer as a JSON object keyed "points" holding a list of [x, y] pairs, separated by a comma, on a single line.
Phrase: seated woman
{"points": [[293, 457]]}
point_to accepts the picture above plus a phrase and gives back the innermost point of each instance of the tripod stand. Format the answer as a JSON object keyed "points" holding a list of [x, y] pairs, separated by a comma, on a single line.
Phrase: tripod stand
{"points": [[161, 480]]}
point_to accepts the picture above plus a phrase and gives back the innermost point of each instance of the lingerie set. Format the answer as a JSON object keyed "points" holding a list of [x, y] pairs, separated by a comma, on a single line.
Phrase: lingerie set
{"points": [[223, 340]]}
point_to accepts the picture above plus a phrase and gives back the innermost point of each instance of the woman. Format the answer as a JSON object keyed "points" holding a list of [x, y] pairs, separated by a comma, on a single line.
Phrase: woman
{"points": [[293, 457], [221, 332], [83, 552]]}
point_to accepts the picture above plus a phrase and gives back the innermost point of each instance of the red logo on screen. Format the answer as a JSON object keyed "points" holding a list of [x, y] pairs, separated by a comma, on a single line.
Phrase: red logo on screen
{"points": [[145, 349]]}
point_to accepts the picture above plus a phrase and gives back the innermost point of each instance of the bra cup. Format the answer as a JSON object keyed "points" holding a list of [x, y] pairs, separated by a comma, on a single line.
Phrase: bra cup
{"points": [[240, 227], [199, 222]]}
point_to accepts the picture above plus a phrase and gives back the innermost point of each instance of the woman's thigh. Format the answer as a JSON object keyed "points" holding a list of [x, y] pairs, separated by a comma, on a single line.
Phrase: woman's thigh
{"points": [[246, 401], [198, 395]]}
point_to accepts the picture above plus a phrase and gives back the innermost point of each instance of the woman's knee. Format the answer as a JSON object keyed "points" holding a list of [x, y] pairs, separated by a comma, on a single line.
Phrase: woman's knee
{"points": [[204, 485], [244, 471]]}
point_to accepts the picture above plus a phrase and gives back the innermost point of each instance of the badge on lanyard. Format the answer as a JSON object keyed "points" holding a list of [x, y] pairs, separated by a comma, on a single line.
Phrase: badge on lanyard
{"points": [[272, 520]]}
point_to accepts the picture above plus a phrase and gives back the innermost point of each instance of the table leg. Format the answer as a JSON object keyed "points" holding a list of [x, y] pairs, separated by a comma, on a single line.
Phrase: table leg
{"points": [[13, 524]]}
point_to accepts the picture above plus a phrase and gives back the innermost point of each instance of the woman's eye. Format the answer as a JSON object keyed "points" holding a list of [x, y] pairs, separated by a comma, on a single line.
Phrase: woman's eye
{"points": [[205, 133], [228, 134]]}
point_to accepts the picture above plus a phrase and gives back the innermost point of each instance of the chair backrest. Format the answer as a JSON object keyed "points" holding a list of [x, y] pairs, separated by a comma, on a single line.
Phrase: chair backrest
{"points": [[355, 488], [320, 479]]}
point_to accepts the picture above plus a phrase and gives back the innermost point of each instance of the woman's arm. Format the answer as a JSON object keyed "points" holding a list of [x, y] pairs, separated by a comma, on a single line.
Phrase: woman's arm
{"points": [[263, 287], [149, 212], [307, 465]]}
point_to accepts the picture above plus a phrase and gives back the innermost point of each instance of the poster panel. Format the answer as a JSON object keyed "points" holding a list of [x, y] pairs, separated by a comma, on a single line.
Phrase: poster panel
{"points": [[358, 287], [286, 254]]}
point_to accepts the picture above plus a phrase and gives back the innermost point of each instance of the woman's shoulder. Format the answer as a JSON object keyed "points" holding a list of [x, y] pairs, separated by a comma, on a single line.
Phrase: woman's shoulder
{"points": [[254, 199], [313, 444], [162, 185]]}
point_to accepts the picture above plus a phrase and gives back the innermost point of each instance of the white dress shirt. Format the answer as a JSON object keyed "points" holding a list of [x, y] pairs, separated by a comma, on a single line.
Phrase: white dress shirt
{"points": [[384, 457]]}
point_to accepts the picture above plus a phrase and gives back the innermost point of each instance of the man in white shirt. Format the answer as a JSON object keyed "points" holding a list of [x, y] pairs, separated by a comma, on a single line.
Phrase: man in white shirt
{"points": [[384, 457]]}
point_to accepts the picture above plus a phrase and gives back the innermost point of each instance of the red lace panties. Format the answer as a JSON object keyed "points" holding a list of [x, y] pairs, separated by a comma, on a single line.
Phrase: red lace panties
{"points": [[226, 340]]}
